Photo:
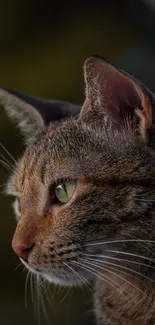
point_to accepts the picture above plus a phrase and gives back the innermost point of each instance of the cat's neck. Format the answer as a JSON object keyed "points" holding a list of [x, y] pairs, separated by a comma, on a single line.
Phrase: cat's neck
{"points": [[121, 302], [125, 293]]}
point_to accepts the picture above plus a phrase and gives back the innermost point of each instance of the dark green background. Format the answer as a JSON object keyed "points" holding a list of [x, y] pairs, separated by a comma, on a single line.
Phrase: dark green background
{"points": [[42, 50]]}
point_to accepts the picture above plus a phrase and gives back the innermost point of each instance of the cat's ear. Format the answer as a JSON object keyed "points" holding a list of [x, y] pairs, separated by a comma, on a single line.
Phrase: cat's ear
{"points": [[32, 114], [113, 95]]}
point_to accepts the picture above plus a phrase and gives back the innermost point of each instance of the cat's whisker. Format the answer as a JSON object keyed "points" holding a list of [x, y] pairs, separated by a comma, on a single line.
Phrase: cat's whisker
{"points": [[100, 276], [101, 262], [45, 289], [131, 254], [120, 259], [37, 300], [117, 267], [17, 267], [6, 161], [77, 278], [4, 164], [80, 278], [31, 287], [74, 272], [65, 296], [8, 153], [114, 268], [150, 249], [119, 241], [123, 267], [42, 300], [26, 287], [115, 274]]}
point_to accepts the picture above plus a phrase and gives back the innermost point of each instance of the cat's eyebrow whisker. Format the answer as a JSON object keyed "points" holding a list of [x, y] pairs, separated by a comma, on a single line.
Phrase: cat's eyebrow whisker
{"points": [[120, 241], [8, 153], [100, 276], [114, 273]]}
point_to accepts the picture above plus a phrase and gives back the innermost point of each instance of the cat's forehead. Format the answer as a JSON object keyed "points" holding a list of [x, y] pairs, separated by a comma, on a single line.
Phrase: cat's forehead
{"points": [[67, 151], [72, 150], [53, 154]]}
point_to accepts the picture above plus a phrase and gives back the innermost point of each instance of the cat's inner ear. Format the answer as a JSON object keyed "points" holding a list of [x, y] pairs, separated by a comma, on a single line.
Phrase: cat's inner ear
{"points": [[33, 114], [114, 96]]}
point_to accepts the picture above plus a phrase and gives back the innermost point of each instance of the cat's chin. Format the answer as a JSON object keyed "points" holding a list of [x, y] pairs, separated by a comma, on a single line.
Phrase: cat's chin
{"points": [[61, 280], [56, 277]]}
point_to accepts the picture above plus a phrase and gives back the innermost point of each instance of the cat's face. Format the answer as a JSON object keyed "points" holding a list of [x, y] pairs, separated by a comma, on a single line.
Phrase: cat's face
{"points": [[83, 181]]}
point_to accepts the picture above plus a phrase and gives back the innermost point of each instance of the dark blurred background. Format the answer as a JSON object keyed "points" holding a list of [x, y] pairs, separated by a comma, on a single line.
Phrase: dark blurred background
{"points": [[42, 50]]}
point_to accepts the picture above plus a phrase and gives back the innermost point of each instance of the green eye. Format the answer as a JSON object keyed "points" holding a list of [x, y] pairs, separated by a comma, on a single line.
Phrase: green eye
{"points": [[65, 190]]}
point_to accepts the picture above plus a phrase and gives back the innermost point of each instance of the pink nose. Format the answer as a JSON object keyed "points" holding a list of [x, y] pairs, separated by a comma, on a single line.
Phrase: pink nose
{"points": [[22, 250]]}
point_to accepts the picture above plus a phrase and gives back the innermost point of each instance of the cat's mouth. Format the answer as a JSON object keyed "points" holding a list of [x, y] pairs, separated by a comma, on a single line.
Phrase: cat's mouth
{"points": [[35, 270], [66, 276]]}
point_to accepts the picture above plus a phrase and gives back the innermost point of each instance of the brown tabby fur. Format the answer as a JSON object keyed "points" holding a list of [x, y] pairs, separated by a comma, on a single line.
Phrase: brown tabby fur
{"points": [[106, 231]]}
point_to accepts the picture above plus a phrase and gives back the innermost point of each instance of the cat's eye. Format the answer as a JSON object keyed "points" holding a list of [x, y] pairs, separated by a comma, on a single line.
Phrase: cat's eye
{"points": [[64, 190]]}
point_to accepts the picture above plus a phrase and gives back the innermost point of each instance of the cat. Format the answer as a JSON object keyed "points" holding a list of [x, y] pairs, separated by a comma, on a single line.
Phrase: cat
{"points": [[85, 191]]}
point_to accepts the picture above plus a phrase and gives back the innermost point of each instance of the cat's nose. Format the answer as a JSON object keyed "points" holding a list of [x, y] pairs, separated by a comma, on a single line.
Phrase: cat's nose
{"points": [[23, 240], [22, 249]]}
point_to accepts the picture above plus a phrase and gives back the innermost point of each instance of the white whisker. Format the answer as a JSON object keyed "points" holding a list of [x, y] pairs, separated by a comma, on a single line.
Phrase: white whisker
{"points": [[8, 153], [114, 268], [26, 286], [100, 276], [45, 286], [131, 254], [82, 279], [120, 241], [37, 299], [31, 287], [123, 267], [121, 259], [119, 276], [6, 165], [42, 300], [17, 267], [6, 161]]}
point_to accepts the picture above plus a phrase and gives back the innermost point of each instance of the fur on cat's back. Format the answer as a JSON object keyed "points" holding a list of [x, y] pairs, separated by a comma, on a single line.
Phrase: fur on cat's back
{"points": [[85, 192]]}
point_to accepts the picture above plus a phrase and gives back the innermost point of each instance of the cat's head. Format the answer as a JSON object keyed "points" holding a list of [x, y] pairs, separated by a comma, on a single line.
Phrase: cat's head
{"points": [[85, 181]]}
